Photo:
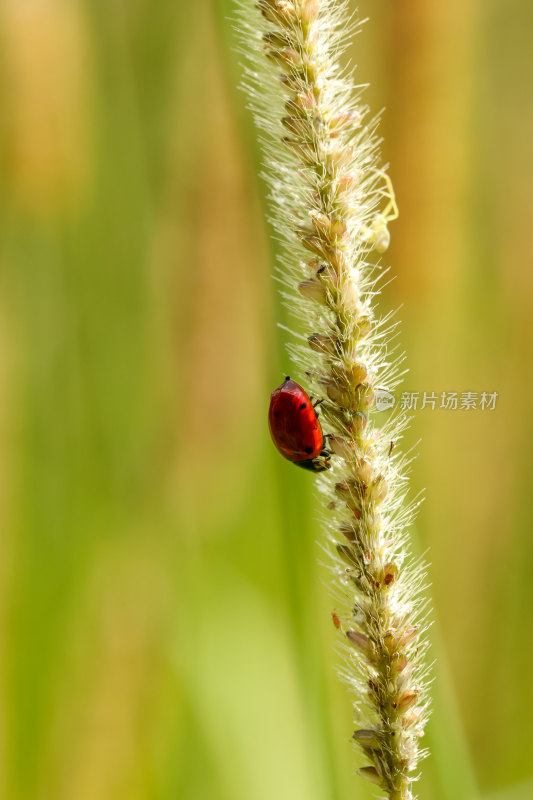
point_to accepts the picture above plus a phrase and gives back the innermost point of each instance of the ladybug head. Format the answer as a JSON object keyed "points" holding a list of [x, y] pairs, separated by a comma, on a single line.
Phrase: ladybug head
{"points": [[319, 463]]}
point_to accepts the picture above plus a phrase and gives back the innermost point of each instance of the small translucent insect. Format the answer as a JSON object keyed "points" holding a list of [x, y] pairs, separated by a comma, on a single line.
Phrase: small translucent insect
{"points": [[378, 235]]}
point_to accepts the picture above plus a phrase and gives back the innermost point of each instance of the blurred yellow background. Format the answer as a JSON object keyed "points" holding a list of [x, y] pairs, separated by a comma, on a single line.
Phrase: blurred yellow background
{"points": [[165, 623]]}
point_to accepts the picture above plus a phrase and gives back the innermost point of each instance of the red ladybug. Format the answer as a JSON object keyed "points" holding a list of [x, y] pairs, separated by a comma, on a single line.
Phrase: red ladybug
{"points": [[295, 428]]}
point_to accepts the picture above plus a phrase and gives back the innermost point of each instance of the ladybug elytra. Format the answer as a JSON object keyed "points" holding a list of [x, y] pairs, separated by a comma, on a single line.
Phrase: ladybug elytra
{"points": [[295, 428]]}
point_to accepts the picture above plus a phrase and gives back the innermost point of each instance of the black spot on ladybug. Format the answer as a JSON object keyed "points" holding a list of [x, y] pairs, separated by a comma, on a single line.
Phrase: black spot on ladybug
{"points": [[302, 406], [308, 450], [276, 414]]}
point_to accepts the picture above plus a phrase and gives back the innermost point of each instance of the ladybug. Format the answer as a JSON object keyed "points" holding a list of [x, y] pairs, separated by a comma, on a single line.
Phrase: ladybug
{"points": [[295, 428]]}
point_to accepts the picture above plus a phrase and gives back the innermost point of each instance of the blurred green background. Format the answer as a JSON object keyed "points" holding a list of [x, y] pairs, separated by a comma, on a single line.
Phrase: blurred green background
{"points": [[165, 625]]}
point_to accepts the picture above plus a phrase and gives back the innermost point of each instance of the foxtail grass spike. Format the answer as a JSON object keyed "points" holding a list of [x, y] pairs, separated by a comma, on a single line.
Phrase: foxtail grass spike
{"points": [[331, 203]]}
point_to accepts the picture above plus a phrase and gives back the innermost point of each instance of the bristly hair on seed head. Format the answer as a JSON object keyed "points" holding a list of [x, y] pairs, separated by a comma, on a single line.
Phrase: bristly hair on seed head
{"points": [[331, 202]]}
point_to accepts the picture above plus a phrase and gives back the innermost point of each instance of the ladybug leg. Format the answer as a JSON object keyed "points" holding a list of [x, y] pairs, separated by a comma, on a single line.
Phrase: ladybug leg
{"points": [[316, 404], [325, 453]]}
